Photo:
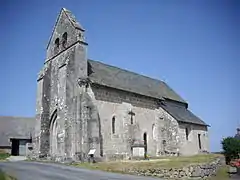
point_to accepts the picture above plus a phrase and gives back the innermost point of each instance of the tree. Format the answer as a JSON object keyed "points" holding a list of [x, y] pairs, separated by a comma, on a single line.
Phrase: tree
{"points": [[231, 148]]}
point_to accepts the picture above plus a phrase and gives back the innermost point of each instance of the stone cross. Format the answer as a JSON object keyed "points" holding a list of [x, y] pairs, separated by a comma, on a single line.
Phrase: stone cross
{"points": [[131, 113]]}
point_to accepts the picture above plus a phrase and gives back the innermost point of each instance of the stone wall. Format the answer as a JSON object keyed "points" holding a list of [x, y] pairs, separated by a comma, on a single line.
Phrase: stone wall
{"points": [[165, 136], [6, 150], [62, 25], [58, 91], [147, 118], [198, 171], [190, 145]]}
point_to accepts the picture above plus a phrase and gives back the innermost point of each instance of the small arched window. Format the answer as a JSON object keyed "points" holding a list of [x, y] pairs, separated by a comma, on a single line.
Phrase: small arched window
{"points": [[56, 45], [113, 125], [154, 132], [187, 133], [64, 40], [145, 138]]}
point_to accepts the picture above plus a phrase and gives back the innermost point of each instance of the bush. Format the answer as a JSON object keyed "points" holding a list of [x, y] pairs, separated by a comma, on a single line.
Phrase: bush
{"points": [[231, 148]]}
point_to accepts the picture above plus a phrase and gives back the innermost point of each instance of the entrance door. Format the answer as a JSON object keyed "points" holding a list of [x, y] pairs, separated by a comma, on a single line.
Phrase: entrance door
{"points": [[15, 147], [54, 126]]}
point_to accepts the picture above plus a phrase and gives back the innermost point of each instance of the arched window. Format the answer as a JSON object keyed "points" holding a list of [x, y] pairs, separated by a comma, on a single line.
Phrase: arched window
{"points": [[113, 125], [145, 144], [56, 45], [145, 138], [187, 133], [64, 40], [154, 132]]}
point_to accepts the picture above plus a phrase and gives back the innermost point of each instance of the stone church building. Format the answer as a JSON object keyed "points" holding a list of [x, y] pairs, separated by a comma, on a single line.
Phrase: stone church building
{"points": [[85, 105]]}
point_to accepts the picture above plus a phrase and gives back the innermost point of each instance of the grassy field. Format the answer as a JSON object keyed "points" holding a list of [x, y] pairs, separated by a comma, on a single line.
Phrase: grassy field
{"points": [[172, 162]]}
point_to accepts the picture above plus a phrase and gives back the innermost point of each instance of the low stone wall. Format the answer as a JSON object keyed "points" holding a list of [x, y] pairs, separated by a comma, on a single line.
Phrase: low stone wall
{"points": [[200, 171], [5, 150]]}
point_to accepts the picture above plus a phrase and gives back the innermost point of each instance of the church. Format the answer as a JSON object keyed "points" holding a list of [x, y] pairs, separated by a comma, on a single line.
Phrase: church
{"points": [[86, 106]]}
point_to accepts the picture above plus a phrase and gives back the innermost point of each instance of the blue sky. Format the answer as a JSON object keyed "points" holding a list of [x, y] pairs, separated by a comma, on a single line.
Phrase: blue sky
{"points": [[194, 46]]}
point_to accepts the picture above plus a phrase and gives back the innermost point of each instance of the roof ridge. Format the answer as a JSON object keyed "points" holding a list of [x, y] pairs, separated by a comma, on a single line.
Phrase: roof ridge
{"points": [[130, 71]]}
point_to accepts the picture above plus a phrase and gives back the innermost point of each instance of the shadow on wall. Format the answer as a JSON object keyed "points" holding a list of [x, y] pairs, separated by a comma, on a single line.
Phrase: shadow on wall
{"points": [[100, 135], [119, 96], [95, 122]]}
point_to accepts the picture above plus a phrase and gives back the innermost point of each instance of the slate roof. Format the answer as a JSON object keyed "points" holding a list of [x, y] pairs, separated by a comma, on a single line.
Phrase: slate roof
{"points": [[15, 127], [115, 77], [182, 114], [118, 78]]}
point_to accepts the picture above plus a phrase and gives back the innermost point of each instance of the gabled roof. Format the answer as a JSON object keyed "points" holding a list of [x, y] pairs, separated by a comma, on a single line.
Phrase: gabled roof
{"points": [[15, 127], [117, 78], [72, 20], [181, 113]]}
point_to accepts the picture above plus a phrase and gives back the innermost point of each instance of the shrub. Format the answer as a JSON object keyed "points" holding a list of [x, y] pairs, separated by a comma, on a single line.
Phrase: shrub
{"points": [[231, 148]]}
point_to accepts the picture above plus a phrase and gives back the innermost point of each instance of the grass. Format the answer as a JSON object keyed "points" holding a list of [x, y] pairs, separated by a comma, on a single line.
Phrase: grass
{"points": [[3, 157], [222, 174], [4, 176], [172, 162]]}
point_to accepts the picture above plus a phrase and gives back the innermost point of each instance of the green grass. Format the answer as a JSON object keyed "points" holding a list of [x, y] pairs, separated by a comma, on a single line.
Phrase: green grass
{"points": [[165, 163], [4, 176], [4, 156], [222, 174]]}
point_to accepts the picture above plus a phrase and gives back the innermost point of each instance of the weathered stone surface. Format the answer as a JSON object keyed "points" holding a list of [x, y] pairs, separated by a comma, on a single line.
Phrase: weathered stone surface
{"points": [[196, 171], [190, 172]]}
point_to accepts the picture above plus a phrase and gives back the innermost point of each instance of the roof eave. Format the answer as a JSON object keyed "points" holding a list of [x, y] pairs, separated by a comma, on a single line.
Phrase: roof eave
{"points": [[202, 124]]}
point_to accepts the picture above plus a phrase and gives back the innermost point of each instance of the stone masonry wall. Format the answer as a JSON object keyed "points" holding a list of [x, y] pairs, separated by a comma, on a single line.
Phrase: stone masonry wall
{"points": [[59, 91], [197, 171], [63, 25], [190, 146], [114, 103]]}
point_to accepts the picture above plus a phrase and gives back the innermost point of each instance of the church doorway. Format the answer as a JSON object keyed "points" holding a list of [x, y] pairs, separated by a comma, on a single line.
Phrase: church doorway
{"points": [[15, 147], [53, 133], [145, 144]]}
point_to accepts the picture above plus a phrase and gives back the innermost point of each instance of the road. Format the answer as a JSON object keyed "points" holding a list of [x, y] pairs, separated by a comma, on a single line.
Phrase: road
{"points": [[24, 170]]}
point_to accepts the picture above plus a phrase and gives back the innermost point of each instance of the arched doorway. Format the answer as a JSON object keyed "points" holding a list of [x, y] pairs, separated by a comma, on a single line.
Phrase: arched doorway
{"points": [[53, 134]]}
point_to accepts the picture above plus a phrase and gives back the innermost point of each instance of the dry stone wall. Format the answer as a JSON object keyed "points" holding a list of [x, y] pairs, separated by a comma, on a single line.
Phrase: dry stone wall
{"points": [[199, 171]]}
